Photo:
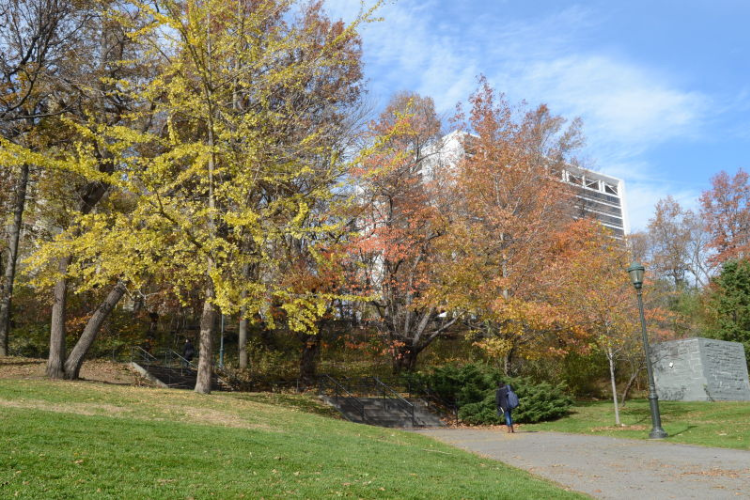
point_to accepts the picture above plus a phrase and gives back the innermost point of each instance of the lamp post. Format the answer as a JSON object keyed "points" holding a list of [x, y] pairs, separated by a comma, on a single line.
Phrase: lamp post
{"points": [[636, 272]]}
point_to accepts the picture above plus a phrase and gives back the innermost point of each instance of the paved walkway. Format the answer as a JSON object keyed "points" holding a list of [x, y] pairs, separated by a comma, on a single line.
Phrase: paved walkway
{"points": [[613, 468]]}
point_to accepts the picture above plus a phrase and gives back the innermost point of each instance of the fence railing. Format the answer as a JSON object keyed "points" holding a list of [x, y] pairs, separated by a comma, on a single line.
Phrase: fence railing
{"points": [[174, 359], [418, 388], [354, 389], [391, 398], [141, 355], [329, 386]]}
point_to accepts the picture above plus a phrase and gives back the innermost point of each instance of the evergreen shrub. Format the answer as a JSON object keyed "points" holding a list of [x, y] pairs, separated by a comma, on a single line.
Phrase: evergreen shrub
{"points": [[472, 389]]}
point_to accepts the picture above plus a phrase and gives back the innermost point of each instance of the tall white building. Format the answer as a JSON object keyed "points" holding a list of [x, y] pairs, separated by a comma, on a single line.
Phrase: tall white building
{"points": [[597, 195]]}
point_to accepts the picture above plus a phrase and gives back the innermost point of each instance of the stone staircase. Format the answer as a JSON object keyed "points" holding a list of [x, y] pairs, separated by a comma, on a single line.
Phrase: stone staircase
{"points": [[382, 412], [369, 401], [167, 377], [168, 370]]}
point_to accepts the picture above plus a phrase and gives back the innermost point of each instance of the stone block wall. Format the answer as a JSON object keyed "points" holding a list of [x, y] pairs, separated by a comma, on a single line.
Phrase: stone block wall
{"points": [[700, 369]]}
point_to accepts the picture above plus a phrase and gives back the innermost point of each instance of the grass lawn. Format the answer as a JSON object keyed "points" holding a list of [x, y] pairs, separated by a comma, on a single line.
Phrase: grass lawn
{"points": [[63, 440], [722, 424]]}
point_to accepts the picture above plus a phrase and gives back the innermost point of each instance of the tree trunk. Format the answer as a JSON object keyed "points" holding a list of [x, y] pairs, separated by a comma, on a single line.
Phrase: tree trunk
{"points": [[206, 353], [611, 359], [308, 357], [55, 368], [75, 360], [405, 358], [90, 195], [210, 314], [243, 339], [9, 276]]}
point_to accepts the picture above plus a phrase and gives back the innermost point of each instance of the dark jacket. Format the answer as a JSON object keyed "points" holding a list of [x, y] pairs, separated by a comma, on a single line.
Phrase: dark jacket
{"points": [[189, 351], [501, 398]]}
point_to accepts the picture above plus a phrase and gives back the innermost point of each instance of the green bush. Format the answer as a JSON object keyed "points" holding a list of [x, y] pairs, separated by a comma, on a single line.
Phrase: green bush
{"points": [[472, 389], [455, 386], [538, 403], [483, 412]]}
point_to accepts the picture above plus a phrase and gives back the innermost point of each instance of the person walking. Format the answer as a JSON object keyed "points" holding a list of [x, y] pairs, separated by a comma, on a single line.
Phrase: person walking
{"points": [[188, 352], [503, 404]]}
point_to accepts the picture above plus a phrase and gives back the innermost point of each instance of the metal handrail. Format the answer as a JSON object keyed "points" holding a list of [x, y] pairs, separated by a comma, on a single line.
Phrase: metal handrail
{"points": [[388, 393], [141, 353], [171, 356], [421, 389], [326, 382], [162, 357]]}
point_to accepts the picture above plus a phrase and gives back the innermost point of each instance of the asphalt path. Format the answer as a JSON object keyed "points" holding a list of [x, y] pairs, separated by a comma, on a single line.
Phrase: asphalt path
{"points": [[612, 468]]}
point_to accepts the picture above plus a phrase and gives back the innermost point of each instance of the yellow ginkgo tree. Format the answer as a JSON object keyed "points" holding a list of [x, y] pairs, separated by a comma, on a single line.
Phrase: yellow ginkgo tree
{"points": [[238, 170]]}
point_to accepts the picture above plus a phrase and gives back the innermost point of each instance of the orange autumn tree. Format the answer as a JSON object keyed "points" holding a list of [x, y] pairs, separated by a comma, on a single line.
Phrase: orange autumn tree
{"points": [[594, 289], [512, 203], [726, 211], [676, 245], [404, 215]]}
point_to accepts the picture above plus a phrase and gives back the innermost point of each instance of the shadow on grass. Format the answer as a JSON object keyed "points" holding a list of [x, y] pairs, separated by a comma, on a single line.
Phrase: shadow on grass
{"points": [[12, 362], [687, 428], [589, 403], [306, 404]]}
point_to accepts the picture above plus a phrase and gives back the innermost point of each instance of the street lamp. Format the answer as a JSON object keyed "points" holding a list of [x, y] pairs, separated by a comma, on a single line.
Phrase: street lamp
{"points": [[636, 272]]}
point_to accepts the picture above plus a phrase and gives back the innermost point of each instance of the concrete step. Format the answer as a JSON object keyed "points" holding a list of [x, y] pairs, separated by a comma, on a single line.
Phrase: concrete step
{"points": [[384, 412], [173, 378]]}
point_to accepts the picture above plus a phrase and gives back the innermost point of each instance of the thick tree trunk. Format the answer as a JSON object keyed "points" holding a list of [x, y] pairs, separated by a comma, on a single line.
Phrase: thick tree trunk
{"points": [[308, 357], [9, 276], [55, 367], [405, 358], [210, 313], [206, 354], [611, 359], [75, 360], [90, 195]]}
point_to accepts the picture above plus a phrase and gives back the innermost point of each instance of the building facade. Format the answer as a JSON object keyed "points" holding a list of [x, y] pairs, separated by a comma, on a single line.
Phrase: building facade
{"points": [[597, 195]]}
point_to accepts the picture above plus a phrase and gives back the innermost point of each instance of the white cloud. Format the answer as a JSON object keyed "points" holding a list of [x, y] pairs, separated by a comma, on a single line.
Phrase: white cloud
{"points": [[642, 197], [409, 51], [622, 104], [627, 108]]}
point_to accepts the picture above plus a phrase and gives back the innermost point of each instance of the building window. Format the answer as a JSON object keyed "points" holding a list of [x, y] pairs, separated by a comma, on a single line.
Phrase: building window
{"points": [[610, 189], [592, 184]]}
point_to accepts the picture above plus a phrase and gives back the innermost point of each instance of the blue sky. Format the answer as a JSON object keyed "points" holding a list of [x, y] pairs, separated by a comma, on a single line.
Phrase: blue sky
{"points": [[663, 87]]}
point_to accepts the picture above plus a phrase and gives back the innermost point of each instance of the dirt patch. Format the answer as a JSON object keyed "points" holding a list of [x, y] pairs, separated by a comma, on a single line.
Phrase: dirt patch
{"points": [[192, 415], [108, 372], [21, 368], [77, 408], [216, 417]]}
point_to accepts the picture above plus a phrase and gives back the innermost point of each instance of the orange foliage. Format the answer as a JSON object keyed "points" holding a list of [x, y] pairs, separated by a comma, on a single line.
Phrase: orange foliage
{"points": [[726, 211], [512, 204]]}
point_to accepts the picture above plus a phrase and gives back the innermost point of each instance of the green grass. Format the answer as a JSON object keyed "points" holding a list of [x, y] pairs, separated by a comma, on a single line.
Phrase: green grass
{"points": [[721, 424], [65, 440]]}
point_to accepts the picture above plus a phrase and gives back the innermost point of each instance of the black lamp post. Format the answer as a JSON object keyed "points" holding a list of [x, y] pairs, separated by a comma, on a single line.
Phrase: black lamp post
{"points": [[636, 272]]}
